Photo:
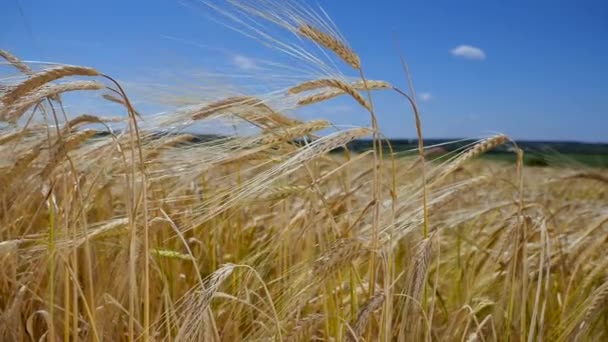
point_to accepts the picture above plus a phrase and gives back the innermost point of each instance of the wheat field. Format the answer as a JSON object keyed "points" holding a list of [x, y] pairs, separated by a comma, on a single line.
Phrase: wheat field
{"points": [[129, 227]]}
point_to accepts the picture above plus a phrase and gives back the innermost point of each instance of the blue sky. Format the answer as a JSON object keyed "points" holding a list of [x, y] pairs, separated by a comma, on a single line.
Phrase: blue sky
{"points": [[532, 69]]}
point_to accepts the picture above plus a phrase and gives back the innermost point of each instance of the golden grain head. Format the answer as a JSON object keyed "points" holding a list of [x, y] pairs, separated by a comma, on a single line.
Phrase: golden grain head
{"points": [[331, 43], [40, 78]]}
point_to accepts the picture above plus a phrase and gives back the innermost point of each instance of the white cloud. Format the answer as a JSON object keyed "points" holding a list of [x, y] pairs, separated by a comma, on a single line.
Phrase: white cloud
{"points": [[244, 63], [468, 52], [425, 97]]}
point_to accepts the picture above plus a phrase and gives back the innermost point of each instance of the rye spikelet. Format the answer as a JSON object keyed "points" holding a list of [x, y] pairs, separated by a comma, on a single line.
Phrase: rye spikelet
{"points": [[331, 83], [331, 43], [364, 315], [39, 79], [14, 112]]}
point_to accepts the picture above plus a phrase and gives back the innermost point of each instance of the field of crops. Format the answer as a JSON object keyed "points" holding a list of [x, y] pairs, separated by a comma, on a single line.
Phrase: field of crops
{"points": [[285, 234]]}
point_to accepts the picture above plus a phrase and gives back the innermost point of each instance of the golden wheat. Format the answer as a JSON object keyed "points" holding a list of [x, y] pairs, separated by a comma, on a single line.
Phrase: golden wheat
{"points": [[331, 43], [331, 83], [40, 78]]}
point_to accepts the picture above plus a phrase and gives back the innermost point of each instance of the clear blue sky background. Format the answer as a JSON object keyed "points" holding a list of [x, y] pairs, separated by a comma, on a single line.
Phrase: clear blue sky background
{"points": [[544, 76]]}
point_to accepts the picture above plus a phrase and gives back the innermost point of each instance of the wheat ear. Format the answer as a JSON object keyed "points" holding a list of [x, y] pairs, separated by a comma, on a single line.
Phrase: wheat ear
{"points": [[21, 164], [597, 305], [220, 105], [17, 109], [331, 43], [364, 315], [61, 149], [290, 133], [330, 94], [84, 119], [195, 304], [43, 77], [331, 83], [480, 148], [15, 61], [4, 138], [339, 253], [417, 274]]}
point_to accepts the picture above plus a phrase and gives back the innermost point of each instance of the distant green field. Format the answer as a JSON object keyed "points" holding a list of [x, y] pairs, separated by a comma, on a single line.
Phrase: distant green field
{"points": [[553, 159], [536, 153]]}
